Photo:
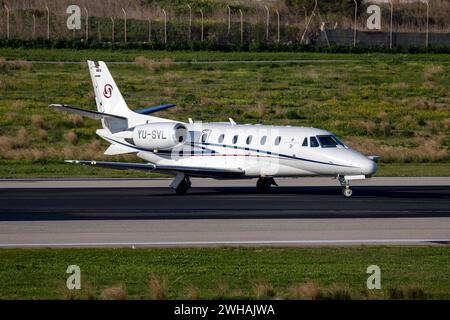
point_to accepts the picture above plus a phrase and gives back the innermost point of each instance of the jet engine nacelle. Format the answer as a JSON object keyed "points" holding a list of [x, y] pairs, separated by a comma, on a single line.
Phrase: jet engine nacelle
{"points": [[159, 136]]}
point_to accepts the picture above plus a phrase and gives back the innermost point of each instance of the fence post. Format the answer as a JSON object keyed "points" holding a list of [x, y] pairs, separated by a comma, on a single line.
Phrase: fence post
{"points": [[242, 25], [125, 24], [48, 22], [190, 22], [99, 34], [278, 25], [356, 19], [309, 21], [428, 19], [7, 21], [229, 20], [390, 33], [267, 22], [112, 30], [165, 26], [149, 30], [201, 12], [87, 24], [306, 15], [34, 26]]}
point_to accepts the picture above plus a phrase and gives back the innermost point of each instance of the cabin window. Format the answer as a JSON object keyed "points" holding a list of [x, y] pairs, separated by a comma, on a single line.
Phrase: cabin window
{"points": [[249, 139], [313, 142], [235, 139], [204, 137], [305, 142], [277, 140], [263, 140], [221, 138]]}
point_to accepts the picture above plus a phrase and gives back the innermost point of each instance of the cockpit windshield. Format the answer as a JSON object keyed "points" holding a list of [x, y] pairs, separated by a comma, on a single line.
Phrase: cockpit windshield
{"points": [[330, 142]]}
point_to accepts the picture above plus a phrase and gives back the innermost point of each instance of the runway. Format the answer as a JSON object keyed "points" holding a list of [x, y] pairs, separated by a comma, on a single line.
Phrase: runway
{"points": [[122, 213]]}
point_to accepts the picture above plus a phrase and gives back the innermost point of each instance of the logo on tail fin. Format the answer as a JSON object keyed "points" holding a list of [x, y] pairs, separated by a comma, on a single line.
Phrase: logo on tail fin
{"points": [[107, 91]]}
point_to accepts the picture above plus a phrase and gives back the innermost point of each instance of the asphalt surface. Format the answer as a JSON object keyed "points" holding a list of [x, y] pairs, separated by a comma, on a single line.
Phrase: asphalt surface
{"points": [[217, 213]]}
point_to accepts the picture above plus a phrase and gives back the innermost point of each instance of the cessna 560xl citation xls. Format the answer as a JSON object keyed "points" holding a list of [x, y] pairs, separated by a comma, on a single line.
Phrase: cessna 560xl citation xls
{"points": [[221, 150]]}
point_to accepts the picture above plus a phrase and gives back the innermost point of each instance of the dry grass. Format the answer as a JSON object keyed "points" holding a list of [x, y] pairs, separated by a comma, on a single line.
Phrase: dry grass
{"points": [[22, 138], [192, 293], [263, 290], [369, 127], [306, 291], [158, 288], [262, 109], [432, 71], [421, 104], [427, 149], [71, 137], [409, 291], [399, 86], [2, 85], [170, 92], [77, 120], [153, 65], [114, 293], [222, 290], [42, 134], [37, 121], [172, 76], [14, 65], [337, 292], [311, 75]]}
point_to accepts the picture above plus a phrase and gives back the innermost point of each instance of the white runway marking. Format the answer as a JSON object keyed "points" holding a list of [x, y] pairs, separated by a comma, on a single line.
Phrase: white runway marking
{"points": [[219, 243]]}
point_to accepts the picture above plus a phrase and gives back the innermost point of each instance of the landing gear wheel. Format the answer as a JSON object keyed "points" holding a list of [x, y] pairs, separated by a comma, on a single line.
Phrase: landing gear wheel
{"points": [[347, 192], [184, 186], [263, 184]]}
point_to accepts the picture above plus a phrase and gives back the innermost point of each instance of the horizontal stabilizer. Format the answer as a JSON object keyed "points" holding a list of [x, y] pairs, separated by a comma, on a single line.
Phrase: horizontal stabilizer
{"points": [[154, 108], [374, 158], [85, 113]]}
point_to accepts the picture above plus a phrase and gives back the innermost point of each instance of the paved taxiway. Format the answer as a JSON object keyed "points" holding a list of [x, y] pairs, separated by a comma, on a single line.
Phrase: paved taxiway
{"points": [[111, 212]]}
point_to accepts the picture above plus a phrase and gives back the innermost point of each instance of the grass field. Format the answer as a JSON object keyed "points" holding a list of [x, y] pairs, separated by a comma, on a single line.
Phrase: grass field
{"points": [[224, 273], [396, 106]]}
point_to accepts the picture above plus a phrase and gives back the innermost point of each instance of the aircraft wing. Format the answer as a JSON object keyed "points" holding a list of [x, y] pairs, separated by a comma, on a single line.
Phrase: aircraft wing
{"points": [[191, 171]]}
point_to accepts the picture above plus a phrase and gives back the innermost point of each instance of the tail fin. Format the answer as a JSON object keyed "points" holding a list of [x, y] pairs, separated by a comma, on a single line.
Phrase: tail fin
{"points": [[107, 94]]}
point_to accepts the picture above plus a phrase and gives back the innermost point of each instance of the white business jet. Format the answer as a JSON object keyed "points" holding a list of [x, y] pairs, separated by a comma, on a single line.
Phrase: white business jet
{"points": [[221, 150]]}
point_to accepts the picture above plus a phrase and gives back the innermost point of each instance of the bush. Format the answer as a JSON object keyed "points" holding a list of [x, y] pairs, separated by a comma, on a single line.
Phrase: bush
{"points": [[211, 45]]}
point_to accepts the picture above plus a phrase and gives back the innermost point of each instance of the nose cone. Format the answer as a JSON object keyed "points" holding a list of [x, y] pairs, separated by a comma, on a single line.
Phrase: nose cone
{"points": [[368, 167]]}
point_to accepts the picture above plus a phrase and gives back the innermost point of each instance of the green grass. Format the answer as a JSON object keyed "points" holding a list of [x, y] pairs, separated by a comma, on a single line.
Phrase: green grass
{"points": [[221, 272], [395, 106], [131, 54], [413, 170]]}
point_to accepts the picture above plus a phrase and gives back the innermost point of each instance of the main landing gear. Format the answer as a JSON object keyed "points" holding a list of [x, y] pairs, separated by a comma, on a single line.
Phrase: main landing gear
{"points": [[263, 184], [346, 190], [181, 184]]}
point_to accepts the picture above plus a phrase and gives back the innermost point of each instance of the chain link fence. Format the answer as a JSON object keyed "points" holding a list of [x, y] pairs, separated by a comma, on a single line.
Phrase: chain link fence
{"points": [[386, 23]]}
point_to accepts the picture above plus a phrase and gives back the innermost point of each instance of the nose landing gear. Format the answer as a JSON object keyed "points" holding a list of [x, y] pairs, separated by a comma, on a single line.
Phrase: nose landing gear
{"points": [[346, 190]]}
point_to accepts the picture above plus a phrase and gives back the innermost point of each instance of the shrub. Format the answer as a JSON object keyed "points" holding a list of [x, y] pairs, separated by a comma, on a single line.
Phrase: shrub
{"points": [[113, 293], [37, 120], [307, 291], [71, 137], [158, 288], [263, 290]]}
